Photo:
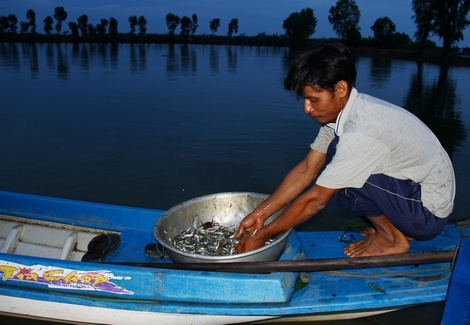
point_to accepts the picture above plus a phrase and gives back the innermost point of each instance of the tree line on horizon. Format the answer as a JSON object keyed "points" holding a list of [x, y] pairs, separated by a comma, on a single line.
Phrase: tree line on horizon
{"points": [[444, 19]]}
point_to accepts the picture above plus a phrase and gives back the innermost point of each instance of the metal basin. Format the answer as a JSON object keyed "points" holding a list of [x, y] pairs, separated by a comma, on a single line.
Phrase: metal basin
{"points": [[225, 208]]}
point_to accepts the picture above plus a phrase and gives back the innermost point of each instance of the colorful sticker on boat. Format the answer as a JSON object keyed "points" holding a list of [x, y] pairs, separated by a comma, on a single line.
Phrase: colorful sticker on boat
{"points": [[62, 278]]}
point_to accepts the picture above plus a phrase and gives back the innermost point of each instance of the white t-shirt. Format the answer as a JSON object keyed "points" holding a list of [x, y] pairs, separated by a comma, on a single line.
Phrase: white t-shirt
{"points": [[376, 137]]}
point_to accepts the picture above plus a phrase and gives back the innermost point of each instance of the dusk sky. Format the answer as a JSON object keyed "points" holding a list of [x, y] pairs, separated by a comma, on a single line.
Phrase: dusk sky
{"points": [[254, 16]]}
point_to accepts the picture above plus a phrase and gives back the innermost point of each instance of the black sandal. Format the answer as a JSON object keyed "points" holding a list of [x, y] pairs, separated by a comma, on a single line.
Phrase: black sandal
{"points": [[100, 246]]}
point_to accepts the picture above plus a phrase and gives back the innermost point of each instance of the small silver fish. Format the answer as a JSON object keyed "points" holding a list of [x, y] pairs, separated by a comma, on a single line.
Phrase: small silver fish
{"points": [[210, 239]]}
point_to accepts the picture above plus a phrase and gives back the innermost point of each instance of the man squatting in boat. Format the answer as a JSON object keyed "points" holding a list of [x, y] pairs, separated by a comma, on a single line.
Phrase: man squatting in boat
{"points": [[380, 159]]}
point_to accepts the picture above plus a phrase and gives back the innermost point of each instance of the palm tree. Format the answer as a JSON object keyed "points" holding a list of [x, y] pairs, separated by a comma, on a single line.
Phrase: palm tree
{"points": [[194, 24], [133, 23], [233, 27], [31, 16], [83, 24], [172, 21], [48, 21], [12, 21], [142, 22], [60, 15], [113, 28], [214, 25]]}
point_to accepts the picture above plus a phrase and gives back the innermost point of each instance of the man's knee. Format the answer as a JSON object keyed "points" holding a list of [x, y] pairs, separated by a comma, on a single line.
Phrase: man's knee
{"points": [[427, 228]]}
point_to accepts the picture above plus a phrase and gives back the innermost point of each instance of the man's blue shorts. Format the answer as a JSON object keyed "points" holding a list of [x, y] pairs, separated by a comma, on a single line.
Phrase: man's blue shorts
{"points": [[399, 200]]}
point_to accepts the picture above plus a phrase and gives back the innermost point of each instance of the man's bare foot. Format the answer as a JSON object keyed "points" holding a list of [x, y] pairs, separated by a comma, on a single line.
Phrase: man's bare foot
{"points": [[384, 239]]}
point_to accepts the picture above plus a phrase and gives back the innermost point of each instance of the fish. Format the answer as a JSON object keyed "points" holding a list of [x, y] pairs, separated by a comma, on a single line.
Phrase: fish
{"points": [[208, 239]]}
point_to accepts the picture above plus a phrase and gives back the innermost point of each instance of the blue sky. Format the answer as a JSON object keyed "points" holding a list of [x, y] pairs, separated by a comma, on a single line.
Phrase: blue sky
{"points": [[254, 16]]}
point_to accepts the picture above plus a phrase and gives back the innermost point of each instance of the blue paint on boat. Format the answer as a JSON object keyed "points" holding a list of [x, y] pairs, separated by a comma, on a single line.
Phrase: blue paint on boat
{"points": [[457, 306]]}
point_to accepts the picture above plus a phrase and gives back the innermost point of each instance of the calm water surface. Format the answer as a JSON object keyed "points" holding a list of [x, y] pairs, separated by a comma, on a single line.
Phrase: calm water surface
{"points": [[156, 125]]}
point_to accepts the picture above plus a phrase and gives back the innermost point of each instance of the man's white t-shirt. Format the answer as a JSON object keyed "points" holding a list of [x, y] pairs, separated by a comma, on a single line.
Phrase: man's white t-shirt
{"points": [[377, 137]]}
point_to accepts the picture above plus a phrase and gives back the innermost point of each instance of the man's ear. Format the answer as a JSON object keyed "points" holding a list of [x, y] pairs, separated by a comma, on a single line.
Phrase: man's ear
{"points": [[342, 88]]}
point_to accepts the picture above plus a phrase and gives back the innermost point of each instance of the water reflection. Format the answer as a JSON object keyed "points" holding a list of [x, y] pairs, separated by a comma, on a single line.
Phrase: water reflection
{"points": [[214, 59], [80, 55], [50, 56], [380, 72], [434, 101], [30, 57], [172, 65], [189, 62], [183, 63], [113, 55], [10, 56], [62, 62], [435, 104], [231, 59], [138, 57]]}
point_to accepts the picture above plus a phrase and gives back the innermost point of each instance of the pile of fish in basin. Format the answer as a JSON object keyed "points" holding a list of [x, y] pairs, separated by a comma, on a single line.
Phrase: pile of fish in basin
{"points": [[201, 230]]}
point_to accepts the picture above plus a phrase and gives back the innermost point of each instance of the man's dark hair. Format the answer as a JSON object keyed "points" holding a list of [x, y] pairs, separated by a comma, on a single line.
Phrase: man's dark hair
{"points": [[322, 67]]}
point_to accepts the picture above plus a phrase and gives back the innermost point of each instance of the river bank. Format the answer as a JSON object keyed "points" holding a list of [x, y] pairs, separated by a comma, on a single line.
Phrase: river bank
{"points": [[431, 54], [434, 56]]}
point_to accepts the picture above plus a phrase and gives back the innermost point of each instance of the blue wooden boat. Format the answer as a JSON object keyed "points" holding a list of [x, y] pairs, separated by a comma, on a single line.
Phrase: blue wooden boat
{"points": [[457, 306], [44, 239]]}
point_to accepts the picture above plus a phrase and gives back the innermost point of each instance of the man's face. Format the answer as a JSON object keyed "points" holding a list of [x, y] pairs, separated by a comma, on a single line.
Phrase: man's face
{"points": [[323, 106]]}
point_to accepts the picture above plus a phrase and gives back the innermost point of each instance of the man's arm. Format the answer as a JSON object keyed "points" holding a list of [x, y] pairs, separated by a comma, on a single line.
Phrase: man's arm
{"points": [[295, 182]]}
